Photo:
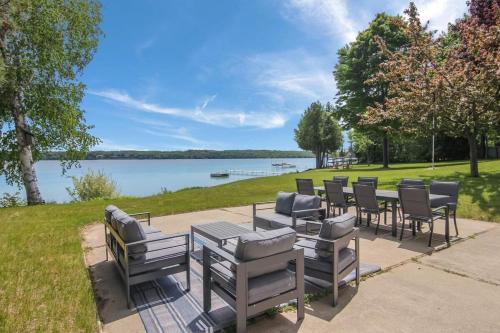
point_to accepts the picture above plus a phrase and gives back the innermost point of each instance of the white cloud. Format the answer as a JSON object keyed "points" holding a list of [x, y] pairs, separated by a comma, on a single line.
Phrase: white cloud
{"points": [[217, 117], [107, 144], [440, 12], [295, 74], [331, 15]]}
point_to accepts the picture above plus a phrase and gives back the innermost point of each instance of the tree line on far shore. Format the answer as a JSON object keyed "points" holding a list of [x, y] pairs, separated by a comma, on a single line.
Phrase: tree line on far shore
{"points": [[185, 154]]}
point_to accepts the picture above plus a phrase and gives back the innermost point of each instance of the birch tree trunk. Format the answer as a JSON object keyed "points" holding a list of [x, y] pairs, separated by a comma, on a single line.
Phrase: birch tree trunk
{"points": [[30, 181]]}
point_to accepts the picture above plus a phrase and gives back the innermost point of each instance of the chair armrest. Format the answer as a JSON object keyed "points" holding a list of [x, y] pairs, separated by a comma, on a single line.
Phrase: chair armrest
{"points": [[319, 224], [446, 208], [312, 210], [147, 214], [263, 202], [352, 234], [221, 253], [185, 235]]}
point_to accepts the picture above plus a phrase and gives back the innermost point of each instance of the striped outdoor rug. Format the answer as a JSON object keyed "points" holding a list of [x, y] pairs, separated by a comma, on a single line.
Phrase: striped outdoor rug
{"points": [[164, 306]]}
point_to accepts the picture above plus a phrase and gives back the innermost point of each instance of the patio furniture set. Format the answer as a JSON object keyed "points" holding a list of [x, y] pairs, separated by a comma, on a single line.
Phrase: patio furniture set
{"points": [[263, 269]]}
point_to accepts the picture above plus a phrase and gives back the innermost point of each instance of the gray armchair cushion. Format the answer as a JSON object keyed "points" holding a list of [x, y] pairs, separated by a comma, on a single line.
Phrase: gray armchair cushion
{"points": [[313, 261], [303, 202], [332, 229], [260, 287], [273, 220], [257, 245], [108, 211], [160, 254], [130, 231], [284, 203]]}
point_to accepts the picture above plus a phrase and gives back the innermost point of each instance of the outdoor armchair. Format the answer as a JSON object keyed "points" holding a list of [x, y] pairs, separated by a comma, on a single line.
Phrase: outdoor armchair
{"points": [[344, 180], [305, 186], [369, 180], [255, 278], [416, 207], [143, 253], [366, 202], [327, 256], [335, 197], [289, 210], [450, 189]]}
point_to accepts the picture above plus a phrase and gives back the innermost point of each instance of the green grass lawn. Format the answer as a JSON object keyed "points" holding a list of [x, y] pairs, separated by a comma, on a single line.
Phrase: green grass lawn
{"points": [[44, 285]]}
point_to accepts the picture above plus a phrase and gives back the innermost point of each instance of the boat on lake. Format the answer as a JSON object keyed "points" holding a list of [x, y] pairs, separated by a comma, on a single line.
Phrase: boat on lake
{"points": [[219, 174], [284, 165]]}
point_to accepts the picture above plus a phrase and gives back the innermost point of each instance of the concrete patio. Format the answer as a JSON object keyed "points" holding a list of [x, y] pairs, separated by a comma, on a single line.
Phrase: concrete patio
{"points": [[419, 289]]}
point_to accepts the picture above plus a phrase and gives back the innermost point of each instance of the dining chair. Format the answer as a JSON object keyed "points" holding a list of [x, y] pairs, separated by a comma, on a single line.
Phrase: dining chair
{"points": [[366, 202], [305, 186], [372, 180]]}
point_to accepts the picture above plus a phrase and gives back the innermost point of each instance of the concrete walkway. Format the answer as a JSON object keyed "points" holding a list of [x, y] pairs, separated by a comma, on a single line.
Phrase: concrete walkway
{"points": [[420, 289]]}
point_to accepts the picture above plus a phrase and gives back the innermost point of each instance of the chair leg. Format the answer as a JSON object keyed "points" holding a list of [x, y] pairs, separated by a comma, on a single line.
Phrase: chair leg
{"points": [[378, 223], [385, 212], [241, 322], [402, 229], [414, 228], [335, 289], [455, 221], [430, 235]]}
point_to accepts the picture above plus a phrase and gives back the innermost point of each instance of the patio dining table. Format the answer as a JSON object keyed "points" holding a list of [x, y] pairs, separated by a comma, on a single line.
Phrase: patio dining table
{"points": [[393, 198]]}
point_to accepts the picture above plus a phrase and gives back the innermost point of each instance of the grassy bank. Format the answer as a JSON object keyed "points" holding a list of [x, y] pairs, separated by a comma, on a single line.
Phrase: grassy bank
{"points": [[43, 282]]}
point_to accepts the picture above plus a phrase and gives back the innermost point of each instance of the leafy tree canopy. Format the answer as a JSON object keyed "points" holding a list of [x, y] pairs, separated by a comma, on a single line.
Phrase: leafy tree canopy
{"points": [[44, 47]]}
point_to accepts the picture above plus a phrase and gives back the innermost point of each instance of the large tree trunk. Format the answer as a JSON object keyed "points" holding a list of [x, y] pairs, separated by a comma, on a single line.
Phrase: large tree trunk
{"points": [[484, 146], [33, 196], [385, 151], [474, 169]]}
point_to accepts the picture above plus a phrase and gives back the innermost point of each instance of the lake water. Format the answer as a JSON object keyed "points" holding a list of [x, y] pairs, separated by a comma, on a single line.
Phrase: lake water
{"points": [[146, 177]]}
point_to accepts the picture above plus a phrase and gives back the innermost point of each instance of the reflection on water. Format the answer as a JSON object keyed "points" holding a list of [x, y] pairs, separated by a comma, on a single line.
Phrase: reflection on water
{"points": [[146, 177]]}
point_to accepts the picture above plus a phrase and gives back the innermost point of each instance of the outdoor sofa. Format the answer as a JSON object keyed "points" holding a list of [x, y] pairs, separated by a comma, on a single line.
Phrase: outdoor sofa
{"points": [[290, 210], [143, 253], [256, 277]]}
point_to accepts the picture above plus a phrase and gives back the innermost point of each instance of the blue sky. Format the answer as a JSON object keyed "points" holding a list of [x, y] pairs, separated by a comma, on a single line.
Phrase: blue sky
{"points": [[225, 74]]}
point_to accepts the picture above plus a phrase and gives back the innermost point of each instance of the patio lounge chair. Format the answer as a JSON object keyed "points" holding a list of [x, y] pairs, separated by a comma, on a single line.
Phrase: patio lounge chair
{"points": [[143, 253], [327, 256], [446, 188], [335, 198], [256, 277], [366, 202], [416, 207], [305, 186], [290, 210], [372, 180]]}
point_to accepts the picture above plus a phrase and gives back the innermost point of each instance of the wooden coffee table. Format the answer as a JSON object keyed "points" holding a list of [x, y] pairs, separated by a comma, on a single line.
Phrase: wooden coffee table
{"points": [[218, 232]]}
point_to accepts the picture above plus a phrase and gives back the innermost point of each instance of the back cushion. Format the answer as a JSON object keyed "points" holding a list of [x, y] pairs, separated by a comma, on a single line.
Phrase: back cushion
{"points": [[284, 203], [107, 214], [332, 229], [303, 202], [130, 231], [257, 245]]}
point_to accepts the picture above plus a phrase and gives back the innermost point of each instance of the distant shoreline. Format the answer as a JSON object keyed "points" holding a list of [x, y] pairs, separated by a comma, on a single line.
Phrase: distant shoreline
{"points": [[187, 154]]}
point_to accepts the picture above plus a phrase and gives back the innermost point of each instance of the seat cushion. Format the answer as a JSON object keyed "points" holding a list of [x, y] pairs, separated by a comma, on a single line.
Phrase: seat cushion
{"points": [[335, 228], [315, 262], [260, 287], [263, 244], [157, 256], [273, 220], [284, 203], [303, 202]]}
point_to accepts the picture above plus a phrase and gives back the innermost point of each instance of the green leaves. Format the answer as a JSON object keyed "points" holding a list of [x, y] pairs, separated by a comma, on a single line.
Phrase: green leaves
{"points": [[46, 44], [319, 131]]}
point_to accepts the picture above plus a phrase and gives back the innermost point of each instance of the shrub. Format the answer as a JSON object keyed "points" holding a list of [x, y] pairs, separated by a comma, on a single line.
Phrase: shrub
{"points": [[93, 185], [11, 200]]}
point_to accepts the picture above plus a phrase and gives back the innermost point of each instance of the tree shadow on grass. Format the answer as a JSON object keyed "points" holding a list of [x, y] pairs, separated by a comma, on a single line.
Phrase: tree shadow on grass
{"points": [[483, 191]]}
